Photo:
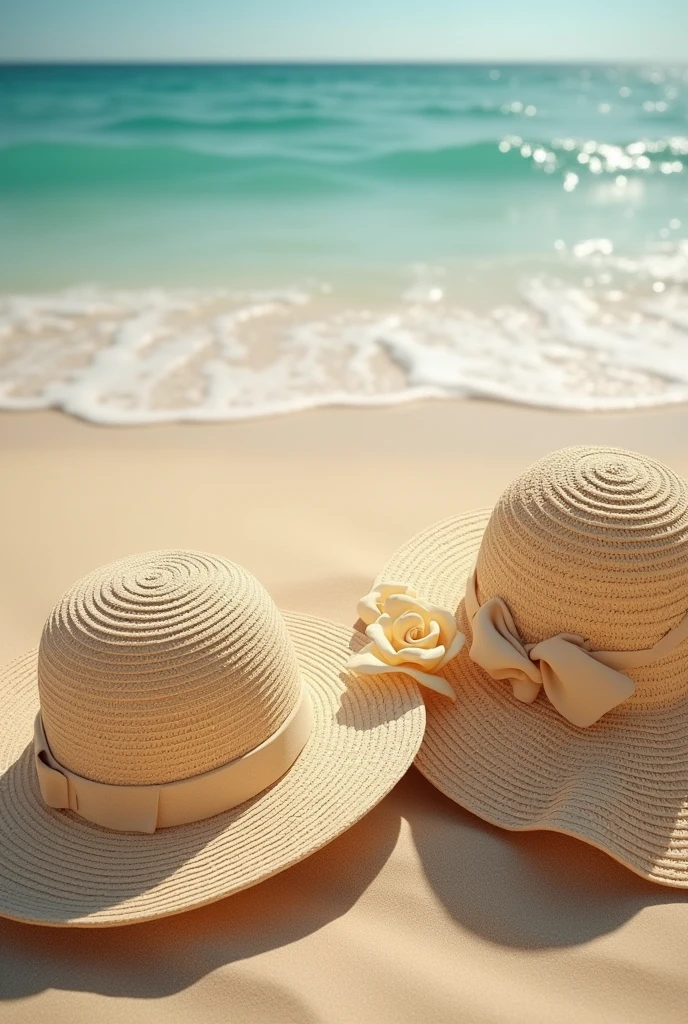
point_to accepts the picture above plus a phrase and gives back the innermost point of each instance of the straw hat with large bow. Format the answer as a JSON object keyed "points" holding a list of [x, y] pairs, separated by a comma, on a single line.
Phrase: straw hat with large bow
{"points": [[568, 702]]}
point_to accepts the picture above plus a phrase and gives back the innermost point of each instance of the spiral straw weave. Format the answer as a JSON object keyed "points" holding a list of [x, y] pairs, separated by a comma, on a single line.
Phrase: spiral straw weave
{"points": [[163, 666], [592, 541]]}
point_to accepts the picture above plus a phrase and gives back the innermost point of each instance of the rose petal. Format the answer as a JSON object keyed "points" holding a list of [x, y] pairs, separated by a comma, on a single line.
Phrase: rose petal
{"points": [[423, 606], [403, 625], [367, 608], [376, 632], [428, 660], [454, 648], [446, 621], [365, 662], [385, 589], [386, 624], [397, 604], [430, 641], [436, 683], [370, 606]]}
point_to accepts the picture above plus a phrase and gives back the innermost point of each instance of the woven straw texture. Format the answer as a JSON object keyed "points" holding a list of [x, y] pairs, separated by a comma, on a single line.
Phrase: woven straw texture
{"points": [[163, 666], [592, 541], [135, 686]]}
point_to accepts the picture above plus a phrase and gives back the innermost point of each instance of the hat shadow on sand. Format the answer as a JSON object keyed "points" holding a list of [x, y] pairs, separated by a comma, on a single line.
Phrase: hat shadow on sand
{"points": [[533, 890], [526, 890], [157, 958]]}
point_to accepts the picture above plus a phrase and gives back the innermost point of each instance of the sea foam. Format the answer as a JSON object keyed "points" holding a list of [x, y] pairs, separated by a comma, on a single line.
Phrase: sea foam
{"points": [[156, 355]]}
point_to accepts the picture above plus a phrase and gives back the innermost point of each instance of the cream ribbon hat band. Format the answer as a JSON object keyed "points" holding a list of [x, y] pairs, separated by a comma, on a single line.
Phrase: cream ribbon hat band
{"points": [[582, 685], [176, 738], [548, 730], [147, 808]]}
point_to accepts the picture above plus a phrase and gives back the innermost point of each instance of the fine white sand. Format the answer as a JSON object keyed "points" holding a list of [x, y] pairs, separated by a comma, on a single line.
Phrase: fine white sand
{"points": [[421, 913]]}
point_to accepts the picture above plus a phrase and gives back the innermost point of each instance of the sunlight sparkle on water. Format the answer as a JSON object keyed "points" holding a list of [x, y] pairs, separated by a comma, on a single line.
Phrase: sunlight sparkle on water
{"points": [[592, 246]]}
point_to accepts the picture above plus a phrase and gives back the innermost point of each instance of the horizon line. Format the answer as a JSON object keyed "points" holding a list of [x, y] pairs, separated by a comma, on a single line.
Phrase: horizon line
{"points": [[328, 62]]}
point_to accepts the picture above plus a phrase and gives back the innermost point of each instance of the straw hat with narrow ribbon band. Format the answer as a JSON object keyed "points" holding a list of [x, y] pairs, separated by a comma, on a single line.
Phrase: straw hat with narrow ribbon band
{"points": [[176, 739], [571, 691]]}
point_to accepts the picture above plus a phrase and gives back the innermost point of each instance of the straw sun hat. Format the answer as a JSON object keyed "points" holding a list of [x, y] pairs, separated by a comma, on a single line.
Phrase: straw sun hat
{"points": [[176, 739], [568, 706]]}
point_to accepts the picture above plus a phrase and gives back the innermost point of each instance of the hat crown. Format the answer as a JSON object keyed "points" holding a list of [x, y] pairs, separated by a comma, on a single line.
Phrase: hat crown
{"points": [[592, 541], [163, 666]]}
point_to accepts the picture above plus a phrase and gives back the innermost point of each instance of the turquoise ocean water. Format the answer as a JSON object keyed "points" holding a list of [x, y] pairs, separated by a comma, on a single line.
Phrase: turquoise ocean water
{"points": [[209, 242]]}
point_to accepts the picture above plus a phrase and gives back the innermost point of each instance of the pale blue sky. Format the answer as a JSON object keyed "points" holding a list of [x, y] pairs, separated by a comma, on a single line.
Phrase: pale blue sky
{"points": [[343, 30]]}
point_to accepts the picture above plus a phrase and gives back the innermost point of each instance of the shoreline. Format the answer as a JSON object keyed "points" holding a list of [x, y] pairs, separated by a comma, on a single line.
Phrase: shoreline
{"points": [[338, 425], [150, 355]]}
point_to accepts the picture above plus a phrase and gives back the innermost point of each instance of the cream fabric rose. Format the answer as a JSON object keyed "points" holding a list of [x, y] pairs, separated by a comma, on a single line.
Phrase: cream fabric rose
{"points": [[407, 635], [371, 606]]}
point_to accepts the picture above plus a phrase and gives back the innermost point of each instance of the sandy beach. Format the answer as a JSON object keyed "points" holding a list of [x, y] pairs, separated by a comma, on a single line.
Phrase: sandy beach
{"points": [[288, 284], [421, 912]]}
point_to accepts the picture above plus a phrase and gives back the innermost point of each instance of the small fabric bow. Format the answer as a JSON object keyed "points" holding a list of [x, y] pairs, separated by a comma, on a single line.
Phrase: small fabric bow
{"points": [[577, 682]]}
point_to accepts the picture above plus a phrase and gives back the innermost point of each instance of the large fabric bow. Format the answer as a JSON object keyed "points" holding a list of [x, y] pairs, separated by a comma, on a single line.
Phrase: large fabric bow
{"points": [[582, 685]]}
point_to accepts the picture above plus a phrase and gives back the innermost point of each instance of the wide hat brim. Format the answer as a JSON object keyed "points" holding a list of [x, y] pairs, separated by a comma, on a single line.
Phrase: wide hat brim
{"points": [[620, 785], [58, 869]]}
